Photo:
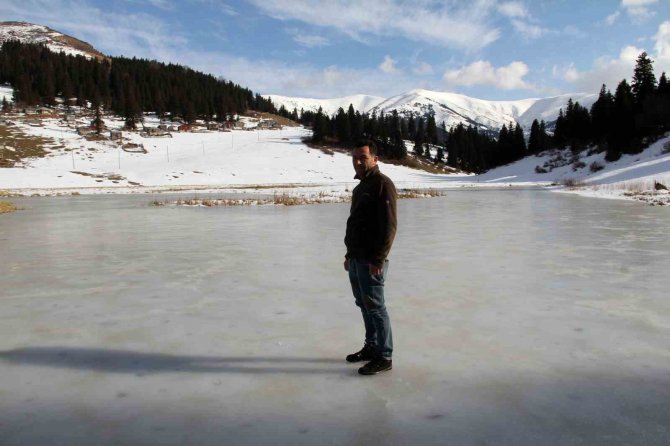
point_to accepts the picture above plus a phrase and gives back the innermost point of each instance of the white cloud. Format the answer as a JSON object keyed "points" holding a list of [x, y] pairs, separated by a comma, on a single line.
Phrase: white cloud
{"points": [[662, 45], [521, 19], [162, 4], [310, 41], [389, 65], [481, 72], [513, 9], [528, 30], [450, 24], [605, 70], [571, 74], [572, 30], [612, 18], [228, 10], [638, 10], [422, 69], [307, 40], [610, 70]]}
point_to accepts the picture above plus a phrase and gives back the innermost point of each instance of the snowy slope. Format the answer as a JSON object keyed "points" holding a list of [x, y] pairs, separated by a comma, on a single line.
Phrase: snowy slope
{"points": [[361, 103], [6, 92], [279, 161], [547, 108], [55, 41], [247, 159]]}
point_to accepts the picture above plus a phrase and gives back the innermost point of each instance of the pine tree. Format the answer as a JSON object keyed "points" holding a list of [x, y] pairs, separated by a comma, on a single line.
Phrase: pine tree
{"points": [[643, 83], [504, 146], [622, 126], [577, 125], [439, 156], [663, 85], [519, 142], [343, 126], [545, 140], [431, 129], [663, 94], [351, 118], [559, 129], [97, 121], [398, 149], [601, 115], [419, 138], [319, 127], [534, 142], [5, 104], [132, 111]]}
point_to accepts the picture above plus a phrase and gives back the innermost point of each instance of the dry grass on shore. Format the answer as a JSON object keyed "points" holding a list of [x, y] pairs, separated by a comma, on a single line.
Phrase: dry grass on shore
{"points": [[6, 207]]}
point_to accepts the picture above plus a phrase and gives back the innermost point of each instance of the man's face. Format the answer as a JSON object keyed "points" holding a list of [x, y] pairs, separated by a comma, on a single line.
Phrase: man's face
{"points": [[363, 160]]}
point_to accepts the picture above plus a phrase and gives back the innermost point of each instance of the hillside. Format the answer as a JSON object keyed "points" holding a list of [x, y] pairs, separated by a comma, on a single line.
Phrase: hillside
{"points": [[54, 40]]}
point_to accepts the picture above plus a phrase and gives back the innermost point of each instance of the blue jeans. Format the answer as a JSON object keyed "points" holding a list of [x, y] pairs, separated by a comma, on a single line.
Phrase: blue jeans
{"points": [[369, 294]]}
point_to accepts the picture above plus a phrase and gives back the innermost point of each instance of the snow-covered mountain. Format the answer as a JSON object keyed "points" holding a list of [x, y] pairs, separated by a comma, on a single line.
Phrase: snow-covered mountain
{"points": [[361, 102], [452, 108], [55, 41]]}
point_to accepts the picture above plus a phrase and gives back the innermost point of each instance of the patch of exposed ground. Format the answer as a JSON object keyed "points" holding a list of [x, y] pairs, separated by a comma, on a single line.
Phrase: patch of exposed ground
{"points": [[657, 198], [278, 119], [16, 146], [6, 207], [100, 177]]}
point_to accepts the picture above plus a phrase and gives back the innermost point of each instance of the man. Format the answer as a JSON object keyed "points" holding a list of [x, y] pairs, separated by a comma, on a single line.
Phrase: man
{"points": [[371, 228]]}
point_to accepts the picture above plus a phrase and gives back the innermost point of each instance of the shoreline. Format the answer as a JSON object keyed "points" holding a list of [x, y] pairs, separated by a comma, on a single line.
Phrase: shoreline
{"points": [[334, 191]]}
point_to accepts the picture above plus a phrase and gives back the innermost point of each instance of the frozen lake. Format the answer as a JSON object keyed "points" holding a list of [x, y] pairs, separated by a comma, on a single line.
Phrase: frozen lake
{"points": [[519, 317]]}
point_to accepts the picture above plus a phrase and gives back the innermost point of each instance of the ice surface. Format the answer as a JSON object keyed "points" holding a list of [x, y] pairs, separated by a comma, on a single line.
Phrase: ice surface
{"points": [[520, 317]]}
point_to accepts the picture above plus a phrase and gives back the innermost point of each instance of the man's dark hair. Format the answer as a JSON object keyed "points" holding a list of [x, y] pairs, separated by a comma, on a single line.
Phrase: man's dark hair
{"points": [[367, 142]]}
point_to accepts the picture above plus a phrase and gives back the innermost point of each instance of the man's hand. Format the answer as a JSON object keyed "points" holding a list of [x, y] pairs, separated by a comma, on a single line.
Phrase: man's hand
{"points": [[346, 264], [376, 270]]}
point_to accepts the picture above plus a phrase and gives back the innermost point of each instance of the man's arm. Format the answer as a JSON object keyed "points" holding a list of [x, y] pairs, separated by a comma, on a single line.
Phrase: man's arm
{"points": [[388, 222]]}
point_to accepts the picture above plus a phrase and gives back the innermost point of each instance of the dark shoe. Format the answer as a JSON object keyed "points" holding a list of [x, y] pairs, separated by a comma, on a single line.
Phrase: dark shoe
{"points": [[366, 354], [375, 366]]}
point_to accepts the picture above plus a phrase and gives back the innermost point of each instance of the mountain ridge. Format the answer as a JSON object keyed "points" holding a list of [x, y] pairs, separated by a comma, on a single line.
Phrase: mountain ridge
{"points": [[54, 40], [448, 107]]}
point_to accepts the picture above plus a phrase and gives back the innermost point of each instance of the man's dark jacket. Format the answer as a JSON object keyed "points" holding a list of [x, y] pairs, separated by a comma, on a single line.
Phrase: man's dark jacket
{"points": [[372, 220]]}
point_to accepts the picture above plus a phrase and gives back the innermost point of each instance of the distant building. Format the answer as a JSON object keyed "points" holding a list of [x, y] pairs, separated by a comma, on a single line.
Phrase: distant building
{"points": [[116, 135], [184, 128]]}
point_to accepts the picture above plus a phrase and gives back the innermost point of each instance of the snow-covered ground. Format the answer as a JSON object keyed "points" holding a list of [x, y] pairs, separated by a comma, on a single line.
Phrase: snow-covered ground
{"points": [[525, 318], [278, 160], [7, 93], [190, 160]]}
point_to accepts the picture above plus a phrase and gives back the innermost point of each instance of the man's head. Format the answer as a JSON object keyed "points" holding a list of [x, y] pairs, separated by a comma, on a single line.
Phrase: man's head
{"points": [[364, 157]]}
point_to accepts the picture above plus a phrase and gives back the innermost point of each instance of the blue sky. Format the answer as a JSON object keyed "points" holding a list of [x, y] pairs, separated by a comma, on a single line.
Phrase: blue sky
{"points": [[490, 49]]}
